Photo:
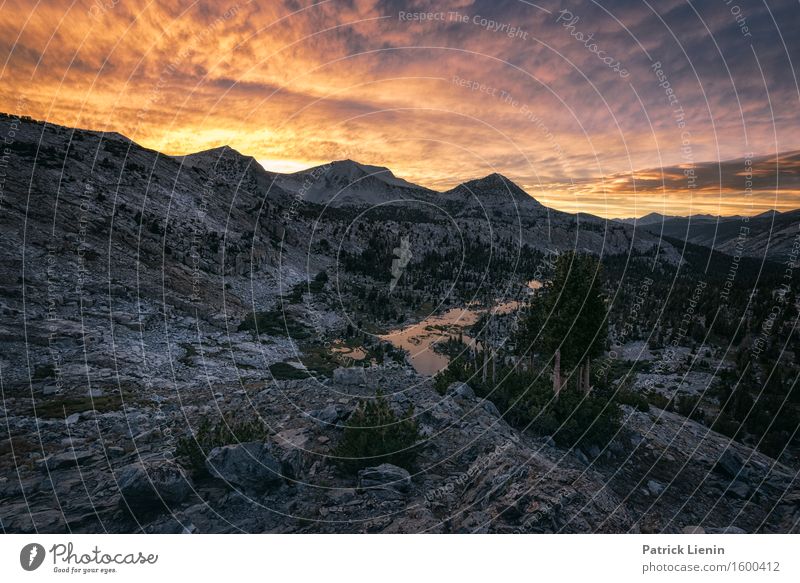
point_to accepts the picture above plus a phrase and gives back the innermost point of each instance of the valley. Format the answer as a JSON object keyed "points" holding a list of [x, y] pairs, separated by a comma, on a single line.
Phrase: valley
{"points": [[167, 320]]}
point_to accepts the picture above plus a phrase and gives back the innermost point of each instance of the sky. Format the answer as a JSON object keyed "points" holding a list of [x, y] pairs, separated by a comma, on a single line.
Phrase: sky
{"points": [[614, 108]]}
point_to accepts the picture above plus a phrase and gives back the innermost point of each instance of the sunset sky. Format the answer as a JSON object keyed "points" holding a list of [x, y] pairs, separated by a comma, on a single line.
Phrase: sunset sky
{"points": [[634, 119]]}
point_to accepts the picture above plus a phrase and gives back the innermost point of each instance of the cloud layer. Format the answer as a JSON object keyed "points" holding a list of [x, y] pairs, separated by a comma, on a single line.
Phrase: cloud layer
{"points": [[570, 99]]}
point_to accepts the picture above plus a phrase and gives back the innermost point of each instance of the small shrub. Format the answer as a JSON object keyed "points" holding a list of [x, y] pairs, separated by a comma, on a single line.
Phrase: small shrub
{"points": [[773, 444], [60, 407], [374, 435], [574, 419], [633, 399], [44, 371], [283, 371], [689, 407], [191, 450], [275, 323], [726, 425], [457, 371], [526, 401], [658, 400], [318, 283], [585, 419], [295, 296]]}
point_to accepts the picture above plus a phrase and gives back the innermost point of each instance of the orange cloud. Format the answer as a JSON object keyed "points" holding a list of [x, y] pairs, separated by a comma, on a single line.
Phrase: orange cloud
{"points": [[295, 84]]}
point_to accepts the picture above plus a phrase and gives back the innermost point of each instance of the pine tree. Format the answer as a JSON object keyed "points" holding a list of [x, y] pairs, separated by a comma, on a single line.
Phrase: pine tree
{"points": [[567, 320], [374, 435]]}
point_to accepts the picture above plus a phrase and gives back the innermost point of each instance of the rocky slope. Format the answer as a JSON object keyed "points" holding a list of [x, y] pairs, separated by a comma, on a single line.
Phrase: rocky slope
{"points": [[475, 474], [127, 280]]}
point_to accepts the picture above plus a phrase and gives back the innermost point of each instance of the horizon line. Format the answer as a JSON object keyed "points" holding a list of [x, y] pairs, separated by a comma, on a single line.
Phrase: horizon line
{"points": [[305, 168]]}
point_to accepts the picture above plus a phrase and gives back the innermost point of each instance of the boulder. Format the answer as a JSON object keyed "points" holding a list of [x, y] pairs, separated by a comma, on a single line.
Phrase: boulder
{"points": [[460, 391], [739, 489], [729, 464], [327, 415], [385, 479], [68, 459], [655, 488], [349, 376], [331, 415], [490, 408], [146, 486], [153, 435], [581, 456], [249, 466]]}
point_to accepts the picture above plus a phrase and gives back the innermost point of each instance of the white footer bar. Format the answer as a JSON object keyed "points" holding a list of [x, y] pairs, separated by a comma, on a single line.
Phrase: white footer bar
{"points": [[389, 558]]}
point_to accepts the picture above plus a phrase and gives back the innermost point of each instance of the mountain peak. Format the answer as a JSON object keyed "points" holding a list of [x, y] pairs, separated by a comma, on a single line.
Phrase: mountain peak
{"points": [[493, 181], [352, 166], [217, 152], [216, 158], [351, 174], [495, 185]]}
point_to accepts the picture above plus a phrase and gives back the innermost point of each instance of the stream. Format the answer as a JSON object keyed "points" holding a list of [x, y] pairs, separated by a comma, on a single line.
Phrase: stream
{"points": [[419, 339]]}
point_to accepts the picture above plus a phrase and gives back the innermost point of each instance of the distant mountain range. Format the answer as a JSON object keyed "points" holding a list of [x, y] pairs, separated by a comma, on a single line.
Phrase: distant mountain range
{"points": [[653, 218], [769, 234], [110, 159]]}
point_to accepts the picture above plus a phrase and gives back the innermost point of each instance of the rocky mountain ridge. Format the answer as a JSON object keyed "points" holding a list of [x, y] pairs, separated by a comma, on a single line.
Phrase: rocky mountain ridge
{"points": [[142, 292]]}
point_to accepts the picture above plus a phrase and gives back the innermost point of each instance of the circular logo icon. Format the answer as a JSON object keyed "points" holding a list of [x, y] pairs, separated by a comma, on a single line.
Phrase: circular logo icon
{"points": [[31, 556]]}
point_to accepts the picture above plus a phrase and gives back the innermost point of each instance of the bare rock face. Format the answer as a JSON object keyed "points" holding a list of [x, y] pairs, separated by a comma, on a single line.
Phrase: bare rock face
{"points": [[65, 460], [385, 479], [249, 466], [349, 376], [123, 292], [460, 391], [149, 486]]}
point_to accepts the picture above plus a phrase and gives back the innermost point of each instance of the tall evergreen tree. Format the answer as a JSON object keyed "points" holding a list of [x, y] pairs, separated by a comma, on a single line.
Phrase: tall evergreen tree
{"points": [[567, 319]]}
